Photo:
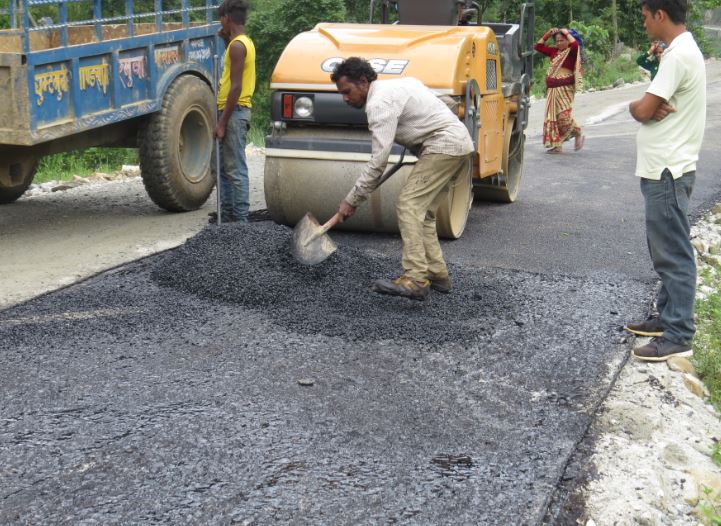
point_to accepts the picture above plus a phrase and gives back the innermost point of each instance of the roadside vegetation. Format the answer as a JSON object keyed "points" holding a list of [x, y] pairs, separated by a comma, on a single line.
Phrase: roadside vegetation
{"points": [[710, 503], [707, 361], [707, 343], [64, 166]]}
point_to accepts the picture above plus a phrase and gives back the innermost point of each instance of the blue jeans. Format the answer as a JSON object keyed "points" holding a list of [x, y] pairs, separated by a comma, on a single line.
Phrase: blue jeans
{"points": [[234, 183], [667, 235]]}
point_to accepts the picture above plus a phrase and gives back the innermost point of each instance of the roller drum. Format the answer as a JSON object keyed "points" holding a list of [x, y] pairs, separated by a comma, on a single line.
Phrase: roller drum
{"points": [[296, 185]]}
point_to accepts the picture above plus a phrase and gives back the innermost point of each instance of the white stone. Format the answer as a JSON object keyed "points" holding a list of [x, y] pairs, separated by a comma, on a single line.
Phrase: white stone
{"points": [[695, 385], [681, 364]]}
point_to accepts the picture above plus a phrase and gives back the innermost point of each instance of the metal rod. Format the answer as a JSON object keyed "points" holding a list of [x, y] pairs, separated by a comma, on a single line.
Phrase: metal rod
{"points": [[217, 181], [98, 14], [216, 79]]}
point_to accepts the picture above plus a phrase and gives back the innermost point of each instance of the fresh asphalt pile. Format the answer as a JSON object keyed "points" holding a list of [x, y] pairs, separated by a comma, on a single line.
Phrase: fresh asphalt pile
{"points": [[252, 266], [222, 382]]}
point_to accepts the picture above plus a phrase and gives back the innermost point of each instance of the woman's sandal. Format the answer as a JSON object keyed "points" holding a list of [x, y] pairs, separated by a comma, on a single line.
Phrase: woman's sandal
{"points": [[579, 142], [554, 151]]}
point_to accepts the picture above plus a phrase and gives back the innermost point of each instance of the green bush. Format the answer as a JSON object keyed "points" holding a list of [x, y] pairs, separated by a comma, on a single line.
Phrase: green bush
{"points": [[596, 38]]}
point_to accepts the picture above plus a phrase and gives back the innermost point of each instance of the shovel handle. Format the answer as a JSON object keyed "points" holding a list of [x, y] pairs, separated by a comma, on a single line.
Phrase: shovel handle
{"points": [[333, 221]]}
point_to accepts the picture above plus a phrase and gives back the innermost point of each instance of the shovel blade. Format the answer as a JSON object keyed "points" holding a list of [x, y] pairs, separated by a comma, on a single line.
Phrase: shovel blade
{"points": [[310, 245]]}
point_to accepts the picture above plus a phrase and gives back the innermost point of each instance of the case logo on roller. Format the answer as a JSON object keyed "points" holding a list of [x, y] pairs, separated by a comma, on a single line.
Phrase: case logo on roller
{"points": [[392, 66]]}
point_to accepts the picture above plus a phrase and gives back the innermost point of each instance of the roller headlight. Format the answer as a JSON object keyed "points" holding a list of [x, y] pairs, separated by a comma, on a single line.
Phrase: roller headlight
{"points": [[303, 107]]}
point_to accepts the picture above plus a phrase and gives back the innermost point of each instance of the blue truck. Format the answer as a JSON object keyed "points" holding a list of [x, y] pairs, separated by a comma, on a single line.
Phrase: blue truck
{"points": [[123, 73]]}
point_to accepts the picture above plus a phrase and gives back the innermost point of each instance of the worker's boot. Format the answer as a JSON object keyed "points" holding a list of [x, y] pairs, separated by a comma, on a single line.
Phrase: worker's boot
{"points": [[403, 286], [440, 283]]}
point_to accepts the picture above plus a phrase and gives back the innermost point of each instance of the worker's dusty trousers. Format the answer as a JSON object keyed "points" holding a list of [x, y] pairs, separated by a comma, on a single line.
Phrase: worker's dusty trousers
{"points": [[422, 193]]}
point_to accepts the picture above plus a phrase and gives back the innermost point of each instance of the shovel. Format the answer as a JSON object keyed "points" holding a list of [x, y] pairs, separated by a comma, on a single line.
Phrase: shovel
{"points": [[311, 244]]}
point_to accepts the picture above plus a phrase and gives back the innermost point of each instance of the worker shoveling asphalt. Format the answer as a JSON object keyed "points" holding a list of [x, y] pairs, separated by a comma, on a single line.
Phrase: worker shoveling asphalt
{"points": [[311, 243]]}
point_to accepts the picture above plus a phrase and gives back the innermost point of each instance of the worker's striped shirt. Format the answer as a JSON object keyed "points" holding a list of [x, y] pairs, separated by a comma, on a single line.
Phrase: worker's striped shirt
{"points": [[407, 112]]}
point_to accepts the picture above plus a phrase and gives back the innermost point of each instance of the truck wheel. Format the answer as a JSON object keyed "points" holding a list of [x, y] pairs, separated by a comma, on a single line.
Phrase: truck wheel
{"points": [[176, 144], [503, 187], [15, 178]]}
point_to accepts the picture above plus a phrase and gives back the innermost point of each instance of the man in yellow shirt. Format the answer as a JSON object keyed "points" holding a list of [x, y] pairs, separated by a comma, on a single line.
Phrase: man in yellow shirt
{"points": [[235, 91]]}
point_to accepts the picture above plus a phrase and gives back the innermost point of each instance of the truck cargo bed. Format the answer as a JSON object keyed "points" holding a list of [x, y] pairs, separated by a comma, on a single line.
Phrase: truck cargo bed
{"points": [[63, 79]]}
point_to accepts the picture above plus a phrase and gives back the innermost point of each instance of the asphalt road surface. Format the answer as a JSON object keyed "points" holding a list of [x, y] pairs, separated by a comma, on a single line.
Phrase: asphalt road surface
{"points": [[221, 383]]}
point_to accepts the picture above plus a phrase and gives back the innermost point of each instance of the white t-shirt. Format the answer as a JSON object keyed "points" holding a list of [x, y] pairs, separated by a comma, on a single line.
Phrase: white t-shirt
{"points": [[675, 141]]}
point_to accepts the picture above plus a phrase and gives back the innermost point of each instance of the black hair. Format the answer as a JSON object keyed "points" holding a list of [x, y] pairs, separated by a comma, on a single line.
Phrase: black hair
{"points": [[675, 9], [236, 10], [354, 69]]}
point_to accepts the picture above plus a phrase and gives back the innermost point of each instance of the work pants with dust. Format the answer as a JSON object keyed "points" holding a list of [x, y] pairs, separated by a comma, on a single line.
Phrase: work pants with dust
{"points": [[419, 199], [667, 234]]}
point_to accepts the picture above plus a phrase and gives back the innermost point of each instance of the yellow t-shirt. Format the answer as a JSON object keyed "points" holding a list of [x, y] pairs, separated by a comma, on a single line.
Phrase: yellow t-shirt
{"points": [[248, 74]]}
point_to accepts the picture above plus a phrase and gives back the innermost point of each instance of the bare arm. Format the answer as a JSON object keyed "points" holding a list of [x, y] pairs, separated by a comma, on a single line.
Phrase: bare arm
{"points": [[237, 61], [650, 107], [545, 36], [568, 35]]}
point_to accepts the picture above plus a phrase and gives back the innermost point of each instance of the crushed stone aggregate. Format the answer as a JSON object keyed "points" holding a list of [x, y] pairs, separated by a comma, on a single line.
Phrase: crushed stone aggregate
{"points": [[167, 390]]}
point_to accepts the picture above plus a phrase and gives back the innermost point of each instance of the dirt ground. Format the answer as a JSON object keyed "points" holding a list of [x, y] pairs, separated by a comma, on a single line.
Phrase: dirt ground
{"points": [[55, 239]]}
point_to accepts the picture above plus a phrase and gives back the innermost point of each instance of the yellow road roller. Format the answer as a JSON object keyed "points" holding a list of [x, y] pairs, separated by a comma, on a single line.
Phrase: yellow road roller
{"points": [[319, 145]]}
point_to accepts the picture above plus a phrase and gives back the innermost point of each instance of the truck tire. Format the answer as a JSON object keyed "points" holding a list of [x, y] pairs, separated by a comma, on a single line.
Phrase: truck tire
{"points": [[176, 144], [503, 187], [15, 178]]}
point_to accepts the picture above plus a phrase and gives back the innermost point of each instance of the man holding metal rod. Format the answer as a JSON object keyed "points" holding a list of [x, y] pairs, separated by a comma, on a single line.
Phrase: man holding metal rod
{"points": [[235, 91]]}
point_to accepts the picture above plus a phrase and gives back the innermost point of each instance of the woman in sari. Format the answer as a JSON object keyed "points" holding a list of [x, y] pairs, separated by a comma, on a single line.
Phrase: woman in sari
{"points": [[563, 78]]}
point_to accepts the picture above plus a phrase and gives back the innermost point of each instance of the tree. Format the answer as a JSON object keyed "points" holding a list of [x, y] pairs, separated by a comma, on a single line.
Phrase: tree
{"points": [[272, 25], [271, 29]]}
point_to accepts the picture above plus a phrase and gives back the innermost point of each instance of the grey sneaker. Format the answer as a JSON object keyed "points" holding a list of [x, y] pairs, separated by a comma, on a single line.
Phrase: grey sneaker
{"points": [[440, 283], [403, 286], [660, 349], [649, 327]]}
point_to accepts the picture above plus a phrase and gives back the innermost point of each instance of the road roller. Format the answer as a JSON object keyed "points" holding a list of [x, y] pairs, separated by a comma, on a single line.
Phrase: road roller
{"points": [[319, 145]]}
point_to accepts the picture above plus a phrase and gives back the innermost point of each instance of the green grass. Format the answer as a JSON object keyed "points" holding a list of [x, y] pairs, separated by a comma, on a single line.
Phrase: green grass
{"points": [[64, 166], [707, 343], [710, 504], [707, 360]]}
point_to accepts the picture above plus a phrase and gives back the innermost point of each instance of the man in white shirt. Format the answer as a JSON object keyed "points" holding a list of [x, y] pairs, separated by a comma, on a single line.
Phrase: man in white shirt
{"points": [[673, 117], [405, 111]]}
